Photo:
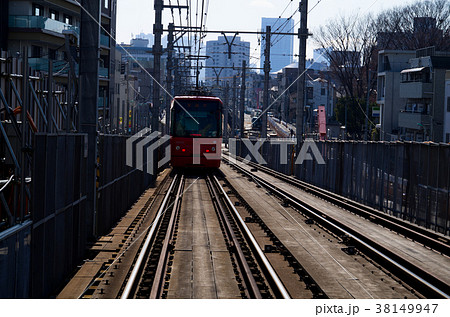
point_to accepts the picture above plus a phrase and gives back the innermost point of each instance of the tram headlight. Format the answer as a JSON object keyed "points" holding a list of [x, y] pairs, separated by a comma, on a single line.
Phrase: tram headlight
{"points": [[213, 149], [177, 148]]}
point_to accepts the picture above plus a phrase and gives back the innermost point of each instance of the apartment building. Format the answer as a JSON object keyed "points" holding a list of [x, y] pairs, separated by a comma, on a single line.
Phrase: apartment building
{"points": [[41, 26], [223, 55], [425, 85], [390, 65]]}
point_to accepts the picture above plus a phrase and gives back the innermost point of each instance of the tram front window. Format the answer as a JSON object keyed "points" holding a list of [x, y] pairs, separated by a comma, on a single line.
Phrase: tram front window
{"points": [[196, 123]]}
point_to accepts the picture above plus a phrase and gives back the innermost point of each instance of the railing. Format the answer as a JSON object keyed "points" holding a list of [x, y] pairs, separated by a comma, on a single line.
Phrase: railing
{"points": [[38, 22], [59, 67]]}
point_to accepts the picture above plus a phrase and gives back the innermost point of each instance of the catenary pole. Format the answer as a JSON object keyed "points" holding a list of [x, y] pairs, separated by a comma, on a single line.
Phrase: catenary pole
{"points": [[242, 101], [266, 83], [88, 109], [303, 35]]}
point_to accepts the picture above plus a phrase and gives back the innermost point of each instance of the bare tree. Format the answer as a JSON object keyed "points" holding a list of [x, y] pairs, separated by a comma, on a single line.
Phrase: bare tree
{"points": [[349, 44], [418, 25]]}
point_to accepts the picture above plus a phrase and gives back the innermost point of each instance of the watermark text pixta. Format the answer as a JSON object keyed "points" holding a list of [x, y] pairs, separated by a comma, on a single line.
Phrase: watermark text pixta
{"points": [[141, 149]]}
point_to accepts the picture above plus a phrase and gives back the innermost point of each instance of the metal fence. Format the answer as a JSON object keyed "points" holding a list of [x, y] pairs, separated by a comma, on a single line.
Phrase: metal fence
{"points": [[15, 256], [119, 185], [45, 222], [405, 179], [60, 230]]}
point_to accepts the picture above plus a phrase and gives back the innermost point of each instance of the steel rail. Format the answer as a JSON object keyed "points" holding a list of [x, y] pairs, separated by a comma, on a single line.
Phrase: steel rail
{"points": [[419, 234], [161, 268], [254, 244], [413, 273], [131, 283], [252, 286]]}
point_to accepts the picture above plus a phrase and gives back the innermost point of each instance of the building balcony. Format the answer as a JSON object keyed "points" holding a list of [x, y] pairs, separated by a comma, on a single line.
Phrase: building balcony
{"points": [[413, 120], [39, 22], [61, 67], [417, 90]]}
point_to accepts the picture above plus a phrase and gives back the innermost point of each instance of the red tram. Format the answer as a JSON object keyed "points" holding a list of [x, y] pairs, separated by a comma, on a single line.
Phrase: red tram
{"points": [[196, 131]]}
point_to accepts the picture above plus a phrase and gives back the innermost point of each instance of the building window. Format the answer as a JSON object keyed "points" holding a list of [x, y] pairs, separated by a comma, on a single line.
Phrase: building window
{"points": [[67, 19], [54, 15], [447, 138], [322, 91], [416, 76], [38, 10], [36, 51], [106, 4], [448, 104]]}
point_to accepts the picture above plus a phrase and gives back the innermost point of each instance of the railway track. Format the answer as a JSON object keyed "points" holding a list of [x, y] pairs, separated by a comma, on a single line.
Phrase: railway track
{"points": [[417, 277], [421, 235], [155, 266], [154, 247], [252, 264]]}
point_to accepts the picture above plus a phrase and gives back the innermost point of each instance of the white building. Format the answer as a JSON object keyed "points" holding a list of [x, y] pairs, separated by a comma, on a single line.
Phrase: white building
{"points": [[223, 56], [390, 64]]}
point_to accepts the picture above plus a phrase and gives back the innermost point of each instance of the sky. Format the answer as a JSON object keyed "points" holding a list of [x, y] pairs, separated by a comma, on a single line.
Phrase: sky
{"points": [[136, 16]]}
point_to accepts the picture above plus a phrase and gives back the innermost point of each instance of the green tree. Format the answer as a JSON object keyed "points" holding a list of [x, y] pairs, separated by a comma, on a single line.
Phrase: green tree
{"points": [[355, 116]]}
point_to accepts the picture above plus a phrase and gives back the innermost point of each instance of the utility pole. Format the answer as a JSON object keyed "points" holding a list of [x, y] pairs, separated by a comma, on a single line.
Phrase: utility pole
{"points": [[88, 108], [285, 107], [303, 36], [266, 83], [126, 119], [366, 129], [233, 110], [225, 113], [169, 79], [157, 52], [345, 126], [242, 103]]}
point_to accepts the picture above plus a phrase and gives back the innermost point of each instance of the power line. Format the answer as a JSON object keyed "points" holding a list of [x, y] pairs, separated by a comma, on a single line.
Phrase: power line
{"points": [[282, 27], [293, 28]]}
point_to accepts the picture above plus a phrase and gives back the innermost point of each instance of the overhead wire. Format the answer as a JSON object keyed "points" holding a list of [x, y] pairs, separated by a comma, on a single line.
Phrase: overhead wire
{"points": [[199, 45], [298, 22], [132, 57], [279, 17], [282, 26]]}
